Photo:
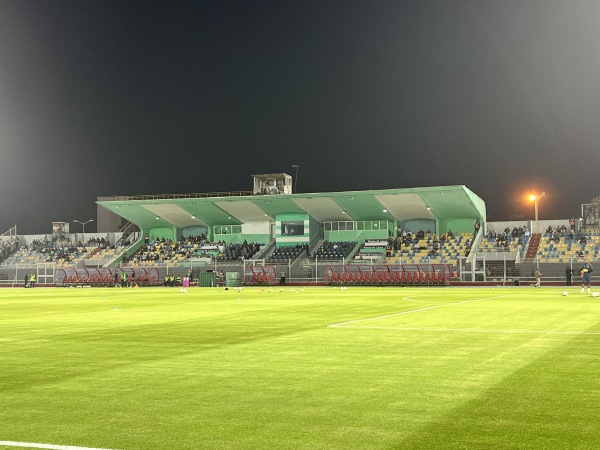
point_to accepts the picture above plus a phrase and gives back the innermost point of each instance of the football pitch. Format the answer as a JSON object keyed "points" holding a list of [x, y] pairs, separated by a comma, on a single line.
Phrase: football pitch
{"points": [[299, 368]]}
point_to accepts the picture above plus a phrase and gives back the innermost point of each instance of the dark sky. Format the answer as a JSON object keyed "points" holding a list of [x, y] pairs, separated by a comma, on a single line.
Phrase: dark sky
{"points": [[121, 97]]}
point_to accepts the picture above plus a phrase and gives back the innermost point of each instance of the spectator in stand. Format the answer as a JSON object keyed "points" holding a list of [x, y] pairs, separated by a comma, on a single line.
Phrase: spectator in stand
{"points": [[572, 224]]}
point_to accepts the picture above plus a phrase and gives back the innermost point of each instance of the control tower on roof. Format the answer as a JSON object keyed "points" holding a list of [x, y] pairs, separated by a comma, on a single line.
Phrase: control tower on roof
{"points": [[272, 184]]}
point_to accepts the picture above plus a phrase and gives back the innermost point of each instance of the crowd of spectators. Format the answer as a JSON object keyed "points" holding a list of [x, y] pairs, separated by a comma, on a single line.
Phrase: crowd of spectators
{"points": [[334, 250], [8, 245], [504, 238], [100, 243], [237, 252], [54, 251], [421, 240], [161, 249], [555, 234]]}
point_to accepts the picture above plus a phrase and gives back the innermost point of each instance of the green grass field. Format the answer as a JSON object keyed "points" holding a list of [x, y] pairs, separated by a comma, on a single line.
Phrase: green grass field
{"points": [[314, 368]]}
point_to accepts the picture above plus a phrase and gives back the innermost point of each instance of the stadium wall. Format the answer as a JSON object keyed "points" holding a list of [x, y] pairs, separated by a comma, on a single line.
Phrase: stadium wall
{"points": [[414, 225], [353, 235], [163, 232], [457, 225], [194, 231], [256, 231]]}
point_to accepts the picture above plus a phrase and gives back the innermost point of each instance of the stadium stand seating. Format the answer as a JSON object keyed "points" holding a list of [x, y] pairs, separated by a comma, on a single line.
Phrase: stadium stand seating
{"points": [[424, 250], [62, 255], [555, 248], [8, 246], [237, 252], [162, 252], [282, 255], [334, 250]]}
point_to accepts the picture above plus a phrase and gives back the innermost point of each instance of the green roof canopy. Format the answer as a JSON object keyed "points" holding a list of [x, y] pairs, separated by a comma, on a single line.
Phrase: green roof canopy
{"points": [[187, 210]]}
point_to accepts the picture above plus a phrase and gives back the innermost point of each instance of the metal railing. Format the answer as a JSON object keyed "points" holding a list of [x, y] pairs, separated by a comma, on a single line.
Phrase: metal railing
{"points": [[178, 196]]}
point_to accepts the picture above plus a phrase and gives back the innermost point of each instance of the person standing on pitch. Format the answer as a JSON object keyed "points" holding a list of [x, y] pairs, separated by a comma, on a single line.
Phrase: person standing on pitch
{"points": [[586, 275], [569, 274], [538, 278]]}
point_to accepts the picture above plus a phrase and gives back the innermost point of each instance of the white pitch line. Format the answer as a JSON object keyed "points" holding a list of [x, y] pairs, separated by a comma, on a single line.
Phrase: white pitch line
{"points": [[384, 317], [411, 311], [409, 299], [48, 446], [476, 330]]}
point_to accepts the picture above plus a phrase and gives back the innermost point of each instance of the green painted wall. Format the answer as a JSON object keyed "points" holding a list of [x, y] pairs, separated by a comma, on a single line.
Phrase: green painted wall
{"points": [[195, 231], [238, 238], [458, 226], [164, 232], [354, 235], [256, 238], [415, 225]]}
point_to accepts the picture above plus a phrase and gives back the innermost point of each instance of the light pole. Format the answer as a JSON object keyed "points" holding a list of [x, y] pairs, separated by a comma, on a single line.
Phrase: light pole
{"points": [[296, 166], [83, 224], [534, 198]]}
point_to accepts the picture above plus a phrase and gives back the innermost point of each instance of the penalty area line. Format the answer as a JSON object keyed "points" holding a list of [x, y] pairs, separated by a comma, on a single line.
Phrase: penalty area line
{"points": [[47, 446]]}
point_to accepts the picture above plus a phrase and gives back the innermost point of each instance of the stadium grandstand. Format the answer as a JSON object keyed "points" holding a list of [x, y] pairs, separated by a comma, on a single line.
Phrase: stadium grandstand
{"points": [[425, 236]]}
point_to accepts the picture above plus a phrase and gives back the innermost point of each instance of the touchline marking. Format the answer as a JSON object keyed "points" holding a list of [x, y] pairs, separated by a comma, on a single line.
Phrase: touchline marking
{"points": [[48, 446], [475, 330], [411, 311]]}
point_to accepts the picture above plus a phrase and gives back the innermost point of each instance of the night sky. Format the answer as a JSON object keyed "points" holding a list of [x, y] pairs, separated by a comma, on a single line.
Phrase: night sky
{"points": [[101, 98]]}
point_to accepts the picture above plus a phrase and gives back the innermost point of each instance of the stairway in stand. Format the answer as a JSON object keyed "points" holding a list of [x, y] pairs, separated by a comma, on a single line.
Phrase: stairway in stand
{"points": [[532, 248]]}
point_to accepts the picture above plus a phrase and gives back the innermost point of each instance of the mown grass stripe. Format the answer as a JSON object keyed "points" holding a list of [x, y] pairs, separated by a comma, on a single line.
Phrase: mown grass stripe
{"points": [[47, 446]]}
